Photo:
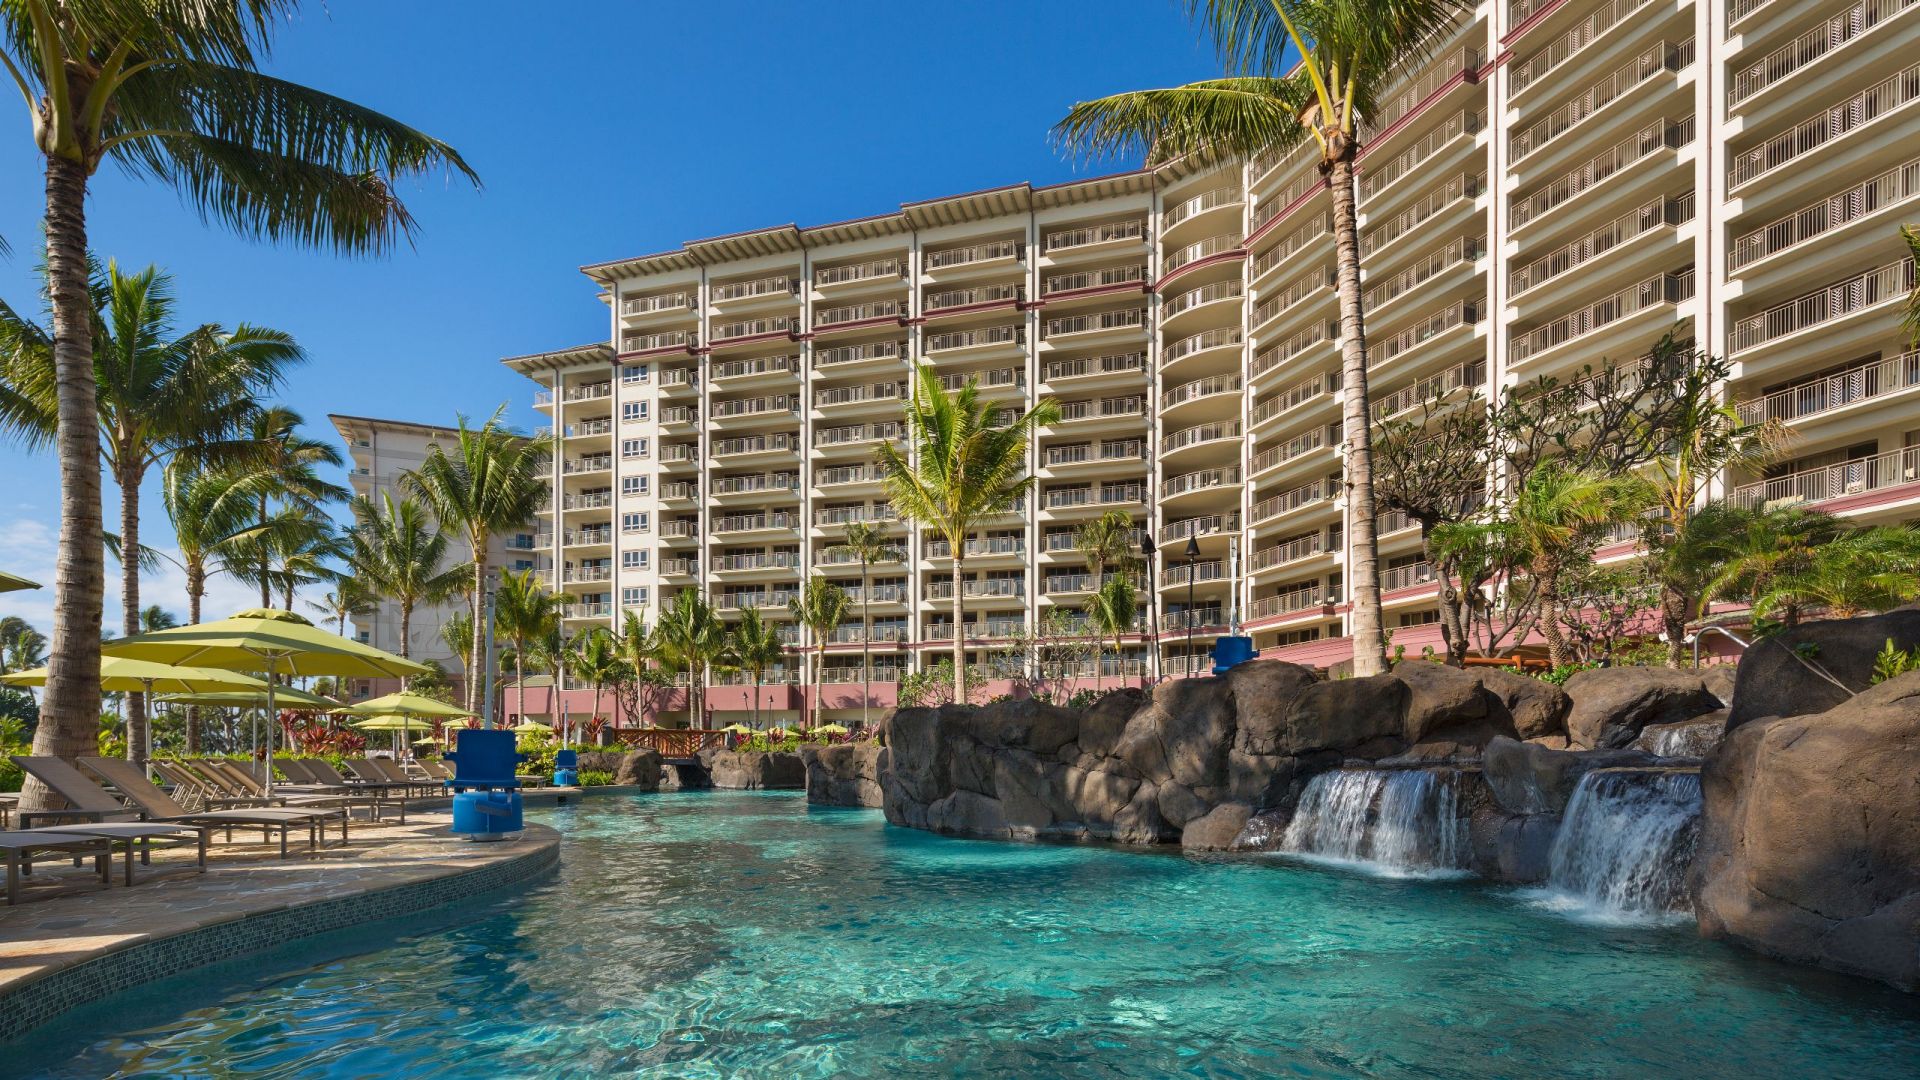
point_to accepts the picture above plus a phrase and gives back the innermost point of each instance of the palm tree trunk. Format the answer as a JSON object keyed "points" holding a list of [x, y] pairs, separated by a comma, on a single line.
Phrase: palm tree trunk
{"points": [[959, 630], [129, 479], [1557, 654], [819, 669], [1673, 616], [70, 709], [1369, 645], [520, 677], [866, 646], [479, 630]]}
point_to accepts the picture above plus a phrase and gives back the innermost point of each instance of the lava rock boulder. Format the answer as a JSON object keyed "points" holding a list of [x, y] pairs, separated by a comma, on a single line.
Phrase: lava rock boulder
{"points": [[1612, 705]]}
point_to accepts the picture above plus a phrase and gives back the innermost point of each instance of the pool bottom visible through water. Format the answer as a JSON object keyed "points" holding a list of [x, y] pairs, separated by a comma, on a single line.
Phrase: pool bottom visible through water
{"points": [[723, 934]]}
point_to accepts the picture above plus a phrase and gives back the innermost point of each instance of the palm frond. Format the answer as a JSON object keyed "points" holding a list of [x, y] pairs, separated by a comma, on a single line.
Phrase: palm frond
{"points": [[1220, 117]]}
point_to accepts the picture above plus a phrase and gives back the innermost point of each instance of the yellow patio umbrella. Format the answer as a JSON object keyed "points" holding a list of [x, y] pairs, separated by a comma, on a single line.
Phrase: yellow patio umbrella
{"points": [[269, 640], [406, 703], [121, 675], [393, 723], [532, 727], [738, 728], [12, 583], [829, 729], [286, 698]]}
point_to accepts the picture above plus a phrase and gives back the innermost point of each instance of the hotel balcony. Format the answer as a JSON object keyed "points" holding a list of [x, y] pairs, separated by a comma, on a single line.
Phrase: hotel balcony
{"points": [[852, 358], [1177, 532], [985, 341], [1634, 313], [994, 255], [1126, 454], [757, 369], [1181, 257], [781, 485], [1215, 209], [1308, 446], [1222, 346], [1543, 141], [1307, 598], [772, 289], [1286, 358], [755, 598], [844, 316], [762, 521], [1843, 122], [976, 589], [851, 277], [1202, 435], [1107, 412], [1112, 368], [1084, 583], [752, 330], [1088, 241], [1277, 310], [766, 408], [828, 440], [583, 575], [1841, 487], [1380, 185], [676, 529], [597, 500], [1310, 233], [1850, 39], [843, 399], [679, 380], [582, 466], [1631, 165], [1093, 329], [1853, 226], [1408, 576], [1469, 376], [681, 567], [1089, 284], [1436, 268], [991, 382], [878, 513], [1215, 395], [679, 416], [1199, 481], [1601, 25], [598, 427], [587, 537], [1835, 319], [1287, 553], [1288, 507], [669, 339], [660, 306], [1217, 303], [1853, 392], [949, 301], [758, 561], [997, 548], [846, 475], [829, 556]]}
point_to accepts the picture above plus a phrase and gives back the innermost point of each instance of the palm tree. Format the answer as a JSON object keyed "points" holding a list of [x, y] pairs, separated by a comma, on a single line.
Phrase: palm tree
{"points": [[494, 480], [173, 92], [1868, 570], [347, 598], [1111, 610], [964, 469], [691, 638], [1910, 319], [1106, 541], [1557, 515], [524, 612], [870, 544], [1756, 547], [755, 647], [457, 634], [289, 462], [820, 607], [21, 646], [397, 554], [553, 651], [212, 516], [596, 660], [1300, 70]]}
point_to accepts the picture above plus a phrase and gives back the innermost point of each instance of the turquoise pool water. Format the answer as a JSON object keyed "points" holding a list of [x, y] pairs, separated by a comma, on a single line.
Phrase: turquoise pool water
{"points": [[717, 934]]}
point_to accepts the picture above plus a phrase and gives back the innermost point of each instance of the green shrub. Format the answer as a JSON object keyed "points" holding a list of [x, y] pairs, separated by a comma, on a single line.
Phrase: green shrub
{"points": [[595, 778], [1559, 676], [10, 775], [1892, 662]]}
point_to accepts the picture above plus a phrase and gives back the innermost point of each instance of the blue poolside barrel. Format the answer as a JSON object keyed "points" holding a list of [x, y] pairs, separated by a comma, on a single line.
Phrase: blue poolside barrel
{"points": [[1231, 651], [487, 815], [566, 768]]}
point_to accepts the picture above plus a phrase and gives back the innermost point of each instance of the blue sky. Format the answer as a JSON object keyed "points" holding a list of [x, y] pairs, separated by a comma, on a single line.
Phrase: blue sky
{"points": [[600, 130]]}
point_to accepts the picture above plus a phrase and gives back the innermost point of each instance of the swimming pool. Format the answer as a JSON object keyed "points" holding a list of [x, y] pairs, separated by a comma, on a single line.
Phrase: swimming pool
{"points": [[722, 934]]}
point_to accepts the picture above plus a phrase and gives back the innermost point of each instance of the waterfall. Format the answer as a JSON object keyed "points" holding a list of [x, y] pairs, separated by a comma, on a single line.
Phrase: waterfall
{"points": [[1398, 821], [1624, 844]]}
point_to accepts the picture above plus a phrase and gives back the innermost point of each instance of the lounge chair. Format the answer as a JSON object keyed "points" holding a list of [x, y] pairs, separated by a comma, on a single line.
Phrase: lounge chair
{"points": [[392, 770], [140, 835], [239, 781], [436, 770], [366, 772], [91, 801], [20, 846], [196, 792]]}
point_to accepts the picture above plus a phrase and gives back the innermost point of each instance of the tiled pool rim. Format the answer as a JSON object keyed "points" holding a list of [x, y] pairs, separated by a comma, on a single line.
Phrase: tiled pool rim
{"points": [[38, 999]]}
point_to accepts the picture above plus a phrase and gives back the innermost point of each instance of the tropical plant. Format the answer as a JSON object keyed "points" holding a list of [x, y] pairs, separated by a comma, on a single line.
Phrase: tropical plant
{"points": [[1756, 547], [596, 660], [1107, 541], [964, 469], [1892, 662], [172, 92], [1910, 319], [755, 646], [820, 607], [1865, 571], [288, 503], [398, 554], [870, 544], [347, 598], [1111, 611], [1300, 71], [492, 480], [1557, 516], [691, 638], [212, 515], [458, 636], [21, 646], [524, 612], [294, 547]]}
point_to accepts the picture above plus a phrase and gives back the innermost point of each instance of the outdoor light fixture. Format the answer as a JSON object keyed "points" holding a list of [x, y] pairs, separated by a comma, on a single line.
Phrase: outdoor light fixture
{"points": [[1153, 602], [1193, 553]]}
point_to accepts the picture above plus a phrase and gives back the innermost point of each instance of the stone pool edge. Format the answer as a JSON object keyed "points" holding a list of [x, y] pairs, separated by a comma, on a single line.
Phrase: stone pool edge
{"points": [[41, 998]]}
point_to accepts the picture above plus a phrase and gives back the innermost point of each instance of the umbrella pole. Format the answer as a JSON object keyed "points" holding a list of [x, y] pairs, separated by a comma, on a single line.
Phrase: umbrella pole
{"points": [[273, 718]]}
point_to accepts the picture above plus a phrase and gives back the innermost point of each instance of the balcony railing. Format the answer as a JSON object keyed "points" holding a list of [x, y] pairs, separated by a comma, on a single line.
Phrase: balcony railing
{"points": [[1200, 204], [766, 286], [1651, 62], [680, 414], [1375, 180], [590, 501], [1307, 494], [755, 444], [771, 482], [970, 339], [1103, 408], [1628, 226], [1309, 231], [680, 528], [992, 379], [1893, 469], [1864, 383], [832, 556], [979, 546], [852, 313], [1103, 233], [756, 598], [853, 354], [1646, 142], [589, 392], [851, 395], [1304, 547], [577, 574], [1601, 19], [778, 519], [1270, 207], [1293, 397], [1286, 603], [676, 377], [646, 305], [1889, 284], [1203, 433], [1406, 577], [1465, 313], [671, 339], [1466, 186], [985, 294], [1061, 498], [874, 268], [773, 403], [1210, 386], [843, 515], [1111, 494], [586, 537], [1273, 305], [760, 365], [857, 433], [1112, 364], [772, 324], [679, 567], [1304, 443], [1206, 294], [1435, 264], [1470, 375], [777, 560], [1094, 323], [1132, 273], [1110, 450], [1412, 94], [601, 426], [1824, 37], [1226, 336], [1834, 122], [1651, 292], [1199, 249], [1199, 481], [961, 256], [847, 474], [1182, 572], [1204, 525], [597, 463], [1282, 351], [1891, 188]]}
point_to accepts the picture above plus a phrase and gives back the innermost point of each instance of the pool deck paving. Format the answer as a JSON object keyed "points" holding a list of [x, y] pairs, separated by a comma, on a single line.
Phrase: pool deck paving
{"points": [[65, 919]]}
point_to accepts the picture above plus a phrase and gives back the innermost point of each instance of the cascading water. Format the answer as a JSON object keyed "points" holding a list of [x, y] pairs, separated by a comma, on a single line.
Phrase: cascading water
{"points": [[1397, 821], [1624, 845]]}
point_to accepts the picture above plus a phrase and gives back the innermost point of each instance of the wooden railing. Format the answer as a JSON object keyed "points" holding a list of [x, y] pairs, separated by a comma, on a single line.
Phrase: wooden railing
{"points": [[671, 743]]}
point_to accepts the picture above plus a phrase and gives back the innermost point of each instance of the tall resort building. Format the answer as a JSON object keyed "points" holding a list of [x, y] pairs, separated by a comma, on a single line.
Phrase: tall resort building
{"points": [[1560, 184], [379, 452]]}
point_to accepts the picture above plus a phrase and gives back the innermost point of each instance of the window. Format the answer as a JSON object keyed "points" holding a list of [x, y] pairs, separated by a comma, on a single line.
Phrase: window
{"points": [[634, 560], [633, 596], [634, 522], [633, 410], [633, 485], [521, 566], [633, 448], [634, 373]]}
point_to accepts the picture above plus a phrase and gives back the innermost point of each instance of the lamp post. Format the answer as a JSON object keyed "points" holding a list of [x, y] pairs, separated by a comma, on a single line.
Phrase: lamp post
{"points": [[1193, 554], [1153, 603]]}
